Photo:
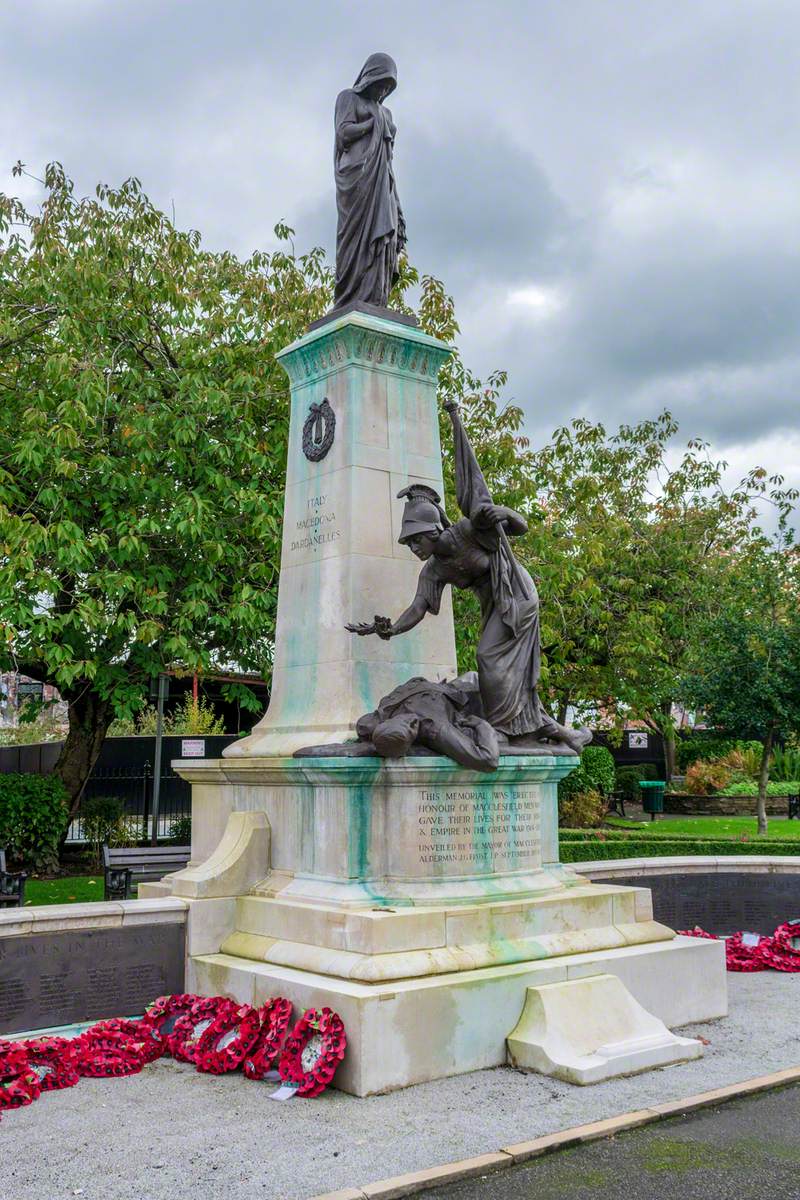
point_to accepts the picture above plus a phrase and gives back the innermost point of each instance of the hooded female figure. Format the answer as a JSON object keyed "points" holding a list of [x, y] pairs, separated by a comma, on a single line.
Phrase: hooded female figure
{"points": [[371, 229]]}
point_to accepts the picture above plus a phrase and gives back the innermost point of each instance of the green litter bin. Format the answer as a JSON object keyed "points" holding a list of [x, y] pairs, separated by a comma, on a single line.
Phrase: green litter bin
{"points": [[653, 796]]}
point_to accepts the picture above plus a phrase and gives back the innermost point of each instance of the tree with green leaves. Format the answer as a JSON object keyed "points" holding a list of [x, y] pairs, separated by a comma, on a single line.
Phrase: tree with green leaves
{"points": [[628, 547], [143, 426], [628, 554], [745, 672]]}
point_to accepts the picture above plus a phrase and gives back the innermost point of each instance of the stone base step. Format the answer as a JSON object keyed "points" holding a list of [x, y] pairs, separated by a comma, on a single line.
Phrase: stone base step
{"points": [[386, 944], [588, 1030], [413, 1030]]}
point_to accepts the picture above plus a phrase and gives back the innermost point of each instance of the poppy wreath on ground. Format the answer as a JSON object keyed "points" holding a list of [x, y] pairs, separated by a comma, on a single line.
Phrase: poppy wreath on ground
{"points": [[226, 1041], [191, 1025], [740, 957], [161, 1014], [782, 954], [697, 932], [143, 1039], [19, 1084], [313, 1051], [54, 1061], [275, 1016], [96, 1063], [105, 1051]]}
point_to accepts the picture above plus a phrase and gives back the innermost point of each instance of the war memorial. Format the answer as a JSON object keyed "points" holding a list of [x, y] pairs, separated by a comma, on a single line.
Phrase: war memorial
{"points": [[385, 841]]}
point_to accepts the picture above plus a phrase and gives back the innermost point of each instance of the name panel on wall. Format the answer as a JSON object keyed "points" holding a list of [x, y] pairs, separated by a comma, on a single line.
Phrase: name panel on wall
{"points": [[83, 975]]}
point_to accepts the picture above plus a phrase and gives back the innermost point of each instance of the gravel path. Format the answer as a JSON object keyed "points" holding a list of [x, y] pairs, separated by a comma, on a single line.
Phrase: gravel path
{"points": [[171, 1133]]}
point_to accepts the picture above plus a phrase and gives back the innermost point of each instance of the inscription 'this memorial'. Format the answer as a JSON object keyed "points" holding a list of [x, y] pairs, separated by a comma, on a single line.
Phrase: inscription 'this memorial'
{"points": [[479, 830]]}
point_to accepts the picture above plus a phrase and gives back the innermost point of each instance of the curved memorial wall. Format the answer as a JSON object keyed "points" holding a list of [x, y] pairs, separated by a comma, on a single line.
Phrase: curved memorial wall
{"points": [[747, 892]]}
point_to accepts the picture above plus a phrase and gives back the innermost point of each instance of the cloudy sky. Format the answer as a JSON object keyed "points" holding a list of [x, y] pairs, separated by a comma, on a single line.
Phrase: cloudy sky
{"points": [[610, 188]]}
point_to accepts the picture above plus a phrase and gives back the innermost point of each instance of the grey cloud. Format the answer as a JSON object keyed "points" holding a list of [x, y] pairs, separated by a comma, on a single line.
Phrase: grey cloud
{"points": [[537, 117]]}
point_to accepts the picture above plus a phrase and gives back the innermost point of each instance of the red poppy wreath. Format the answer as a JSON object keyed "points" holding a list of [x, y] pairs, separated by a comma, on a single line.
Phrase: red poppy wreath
{"points": [[191, 1025], [105, 1052], [19, 1084], [223, 1045], [162, 1014], [741, 957], [783, 951], [54, 1061], [698, 932], [313, 1051], [275, 1016], [142, 1038]]}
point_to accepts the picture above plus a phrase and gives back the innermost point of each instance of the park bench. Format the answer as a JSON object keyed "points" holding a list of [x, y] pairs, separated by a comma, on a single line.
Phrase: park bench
{"points": [[12, 885], [124, 867], [615, 803]]}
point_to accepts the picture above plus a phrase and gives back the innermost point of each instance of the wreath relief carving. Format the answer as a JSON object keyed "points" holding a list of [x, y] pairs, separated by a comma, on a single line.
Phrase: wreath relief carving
{"points": [[318, 431]]}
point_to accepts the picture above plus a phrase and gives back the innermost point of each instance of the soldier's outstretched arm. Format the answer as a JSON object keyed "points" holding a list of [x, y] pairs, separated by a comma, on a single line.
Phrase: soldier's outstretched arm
{"points": [[384, 627]]}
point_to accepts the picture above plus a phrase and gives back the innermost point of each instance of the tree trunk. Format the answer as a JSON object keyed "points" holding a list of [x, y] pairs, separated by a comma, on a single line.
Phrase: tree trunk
{"points": [[89, 719], [563, 705], [668, 734], [763, 778]]}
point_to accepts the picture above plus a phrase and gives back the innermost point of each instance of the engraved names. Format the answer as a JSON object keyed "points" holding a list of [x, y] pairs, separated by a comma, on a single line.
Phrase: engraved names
{"points": [[483, 829], [316, 527]]}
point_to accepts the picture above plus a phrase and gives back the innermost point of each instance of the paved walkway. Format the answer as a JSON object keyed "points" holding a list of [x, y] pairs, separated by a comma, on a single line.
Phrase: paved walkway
{"points": [[171, 1133], [747, 1149]]}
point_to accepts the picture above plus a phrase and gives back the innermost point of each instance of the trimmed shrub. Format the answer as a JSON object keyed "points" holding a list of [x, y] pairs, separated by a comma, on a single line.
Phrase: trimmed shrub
{"points": [[628, 781], [33, 817], [594, 773], [589, 848], [100, 816], [709, 747], [180, 831], [583, 810]]}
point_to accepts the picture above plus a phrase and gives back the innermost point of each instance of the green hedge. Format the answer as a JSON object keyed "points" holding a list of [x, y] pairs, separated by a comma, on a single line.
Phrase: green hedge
{"points": [[656, 831], [708, 747], [588, 849], [594, 773], [628, 781], [33, 816]]}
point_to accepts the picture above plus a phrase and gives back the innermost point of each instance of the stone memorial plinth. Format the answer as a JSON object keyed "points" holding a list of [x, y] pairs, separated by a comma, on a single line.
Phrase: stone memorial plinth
{"points": [[368, 387], [416, 897]]}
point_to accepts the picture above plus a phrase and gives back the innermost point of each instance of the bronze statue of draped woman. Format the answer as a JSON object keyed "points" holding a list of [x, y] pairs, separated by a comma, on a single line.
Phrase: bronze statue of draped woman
{"points": [[371, 230]]}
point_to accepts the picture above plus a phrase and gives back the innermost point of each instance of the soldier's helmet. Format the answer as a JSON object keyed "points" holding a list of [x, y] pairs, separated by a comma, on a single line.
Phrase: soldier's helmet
{"points": [[423, 512]]}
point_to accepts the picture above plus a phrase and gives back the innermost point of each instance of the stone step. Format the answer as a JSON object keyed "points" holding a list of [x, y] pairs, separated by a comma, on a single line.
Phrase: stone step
{"points": [[412, 1030], [385, 944]]}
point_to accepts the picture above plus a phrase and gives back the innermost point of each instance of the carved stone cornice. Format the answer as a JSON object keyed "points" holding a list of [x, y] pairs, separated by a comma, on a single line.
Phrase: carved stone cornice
{"points": [[371, 342]]}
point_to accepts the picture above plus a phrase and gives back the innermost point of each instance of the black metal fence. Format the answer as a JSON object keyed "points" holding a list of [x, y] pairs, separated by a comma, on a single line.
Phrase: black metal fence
{"points": [[125, 769], [133, 785]]}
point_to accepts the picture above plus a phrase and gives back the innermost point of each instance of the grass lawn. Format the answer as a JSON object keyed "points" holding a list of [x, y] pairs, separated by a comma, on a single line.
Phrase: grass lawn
{"points": [[72, 889], [709, 827]]}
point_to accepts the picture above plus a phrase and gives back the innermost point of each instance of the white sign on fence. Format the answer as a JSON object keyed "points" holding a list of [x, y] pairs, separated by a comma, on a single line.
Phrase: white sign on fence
{"points": [[193, 747]]}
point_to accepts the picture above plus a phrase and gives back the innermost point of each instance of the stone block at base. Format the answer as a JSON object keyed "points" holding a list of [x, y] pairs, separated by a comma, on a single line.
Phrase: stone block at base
{"points": [[588, 1030], [415, 1030]]}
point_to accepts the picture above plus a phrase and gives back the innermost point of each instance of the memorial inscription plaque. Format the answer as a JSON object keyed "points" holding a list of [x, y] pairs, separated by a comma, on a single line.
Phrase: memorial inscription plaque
{"points": [[60, 978], [469, 831]]}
